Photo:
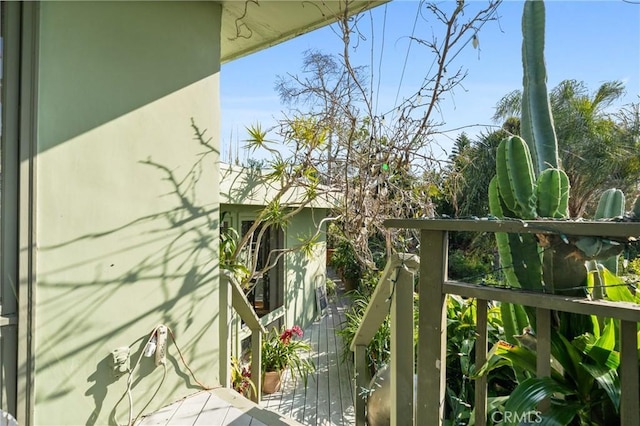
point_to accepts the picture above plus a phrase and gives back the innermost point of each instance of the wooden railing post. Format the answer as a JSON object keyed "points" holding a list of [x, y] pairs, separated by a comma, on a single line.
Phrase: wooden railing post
{"points": [[432, 325], [361, 380], [481, 358], [402, 358], [245, 310], [225, 330], [256, 364], [543, 350], [630, 395]]}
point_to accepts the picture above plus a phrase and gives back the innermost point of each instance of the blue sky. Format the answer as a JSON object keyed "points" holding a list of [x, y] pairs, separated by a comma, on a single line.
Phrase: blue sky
{"points": [[592, 41]]}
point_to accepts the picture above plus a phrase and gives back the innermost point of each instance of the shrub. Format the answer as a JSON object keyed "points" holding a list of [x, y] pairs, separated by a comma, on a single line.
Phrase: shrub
{"points": [[346, 263], [331, 287], [468, 267]]}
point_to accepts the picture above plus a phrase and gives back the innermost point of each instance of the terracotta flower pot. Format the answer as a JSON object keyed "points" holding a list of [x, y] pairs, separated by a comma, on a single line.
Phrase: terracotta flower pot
{"points": [[271, 382]]}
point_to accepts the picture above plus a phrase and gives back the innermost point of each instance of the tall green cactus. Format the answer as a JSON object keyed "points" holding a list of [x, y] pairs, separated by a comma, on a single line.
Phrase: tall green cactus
{"points": [[520, 190], [537, 121]]}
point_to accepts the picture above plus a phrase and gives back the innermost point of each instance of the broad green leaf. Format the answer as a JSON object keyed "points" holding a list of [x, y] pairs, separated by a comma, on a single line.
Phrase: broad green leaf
{"points": [[616, 290], [608, 380], [529, 393], [493, 361], [570, 358], [607, 339], [604, 357], [602, 350], [560, 414]]}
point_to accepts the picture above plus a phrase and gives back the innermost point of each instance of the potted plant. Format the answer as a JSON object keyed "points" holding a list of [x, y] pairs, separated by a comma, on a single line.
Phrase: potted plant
{"points": [[282, 349]]}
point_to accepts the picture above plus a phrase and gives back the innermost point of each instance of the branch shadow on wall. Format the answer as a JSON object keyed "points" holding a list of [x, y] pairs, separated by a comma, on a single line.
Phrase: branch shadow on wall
{"points": [[171, 275]]}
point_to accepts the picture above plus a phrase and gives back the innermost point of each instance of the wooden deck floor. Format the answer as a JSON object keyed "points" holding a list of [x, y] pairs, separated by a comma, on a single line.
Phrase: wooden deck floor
{"points": [[327, 399], [218, 407]]}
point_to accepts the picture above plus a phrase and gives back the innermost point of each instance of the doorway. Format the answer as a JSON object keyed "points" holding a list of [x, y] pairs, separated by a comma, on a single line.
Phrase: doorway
{"points": [[266, 290]]}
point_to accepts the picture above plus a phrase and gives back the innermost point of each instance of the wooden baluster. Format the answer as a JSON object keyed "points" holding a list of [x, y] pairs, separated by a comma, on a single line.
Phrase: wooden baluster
{"points": [[543, 349], [402, 358], [432, 339], [256, 364], [630, 395], [361, 382], [481, 358]]}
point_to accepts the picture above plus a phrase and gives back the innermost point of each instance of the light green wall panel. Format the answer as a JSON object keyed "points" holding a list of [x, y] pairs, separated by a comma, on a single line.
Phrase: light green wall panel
{"points": [[127, 204], [302, 271]]}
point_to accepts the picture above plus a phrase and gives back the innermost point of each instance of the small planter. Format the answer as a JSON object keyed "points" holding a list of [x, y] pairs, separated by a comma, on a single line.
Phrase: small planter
{"points": [[271, 382]]}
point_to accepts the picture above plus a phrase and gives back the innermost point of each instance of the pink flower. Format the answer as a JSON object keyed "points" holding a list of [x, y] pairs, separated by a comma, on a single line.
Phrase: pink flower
{"points": [[297, 330], [286, 335]]}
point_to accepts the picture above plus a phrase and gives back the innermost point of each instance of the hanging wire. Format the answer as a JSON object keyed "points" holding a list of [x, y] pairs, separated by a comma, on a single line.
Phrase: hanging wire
{"points": [[406, 58], [384, 33], [632, 284], [394, 281], [426, 78]]}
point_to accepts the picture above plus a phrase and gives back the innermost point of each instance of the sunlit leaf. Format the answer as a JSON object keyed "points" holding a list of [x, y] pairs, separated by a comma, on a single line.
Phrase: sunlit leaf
{"points": [[528, 394], [616, 288], [607, 339], [560, 414], [608, 380], [570, 358]]}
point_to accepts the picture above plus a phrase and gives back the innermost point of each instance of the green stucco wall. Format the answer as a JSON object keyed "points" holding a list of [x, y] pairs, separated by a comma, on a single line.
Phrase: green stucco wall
{"points": [[126, 203]]}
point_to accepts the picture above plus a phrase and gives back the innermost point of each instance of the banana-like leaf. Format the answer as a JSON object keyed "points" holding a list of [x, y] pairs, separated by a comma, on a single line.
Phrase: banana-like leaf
{"points": [[607, 339], [608, 380], [560, 414], [602, 351], [570, 358], [529, 393], [616, 288], [494, 360], [520, 359]]}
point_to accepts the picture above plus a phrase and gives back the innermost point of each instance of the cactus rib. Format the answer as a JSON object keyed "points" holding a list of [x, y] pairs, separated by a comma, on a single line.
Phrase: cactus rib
{"points": [[537, 122], [516, 177], [553, 194]]}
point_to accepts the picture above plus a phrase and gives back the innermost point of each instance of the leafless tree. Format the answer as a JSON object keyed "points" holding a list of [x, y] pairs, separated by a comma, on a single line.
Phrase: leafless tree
{"points": [[381, 164]]}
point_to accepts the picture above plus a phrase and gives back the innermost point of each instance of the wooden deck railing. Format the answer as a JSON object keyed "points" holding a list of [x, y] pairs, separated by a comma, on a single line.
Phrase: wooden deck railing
{"points": [[232, 296], [434, 287]]}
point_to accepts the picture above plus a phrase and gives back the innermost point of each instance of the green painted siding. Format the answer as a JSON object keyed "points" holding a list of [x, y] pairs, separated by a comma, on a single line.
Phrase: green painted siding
{"points": [[127, 207], [302, 271]]}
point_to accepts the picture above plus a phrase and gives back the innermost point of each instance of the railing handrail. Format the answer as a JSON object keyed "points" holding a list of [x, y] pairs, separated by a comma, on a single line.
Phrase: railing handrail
{"points": [[625, 311], [265, 320], [598, 228], [241, 305], [378, 306]]}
